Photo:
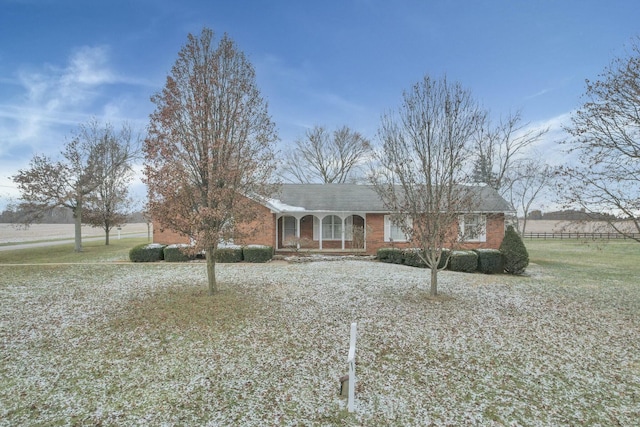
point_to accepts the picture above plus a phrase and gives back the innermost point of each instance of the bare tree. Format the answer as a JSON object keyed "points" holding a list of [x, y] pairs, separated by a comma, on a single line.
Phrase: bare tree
{"points": [[210, 145], [327, 157], [531, 178], [108, 206], [421, 165], [606, 139], [47, 184], [498, 151]]}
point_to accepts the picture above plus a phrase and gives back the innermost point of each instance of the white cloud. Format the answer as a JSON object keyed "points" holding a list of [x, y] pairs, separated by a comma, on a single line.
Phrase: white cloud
{"points": [[43, 104], [548, 146]]}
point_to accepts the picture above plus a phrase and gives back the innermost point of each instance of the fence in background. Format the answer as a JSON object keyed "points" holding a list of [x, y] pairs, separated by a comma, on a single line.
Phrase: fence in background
{"points": [[581, 235]]}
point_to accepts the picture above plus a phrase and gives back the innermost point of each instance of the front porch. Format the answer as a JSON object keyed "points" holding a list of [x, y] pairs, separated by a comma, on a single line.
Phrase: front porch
{"points": [[321, 233]]}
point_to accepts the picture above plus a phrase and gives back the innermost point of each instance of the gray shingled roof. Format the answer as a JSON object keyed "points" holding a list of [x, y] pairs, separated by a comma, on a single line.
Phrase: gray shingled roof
{"points": [[362, 198]]}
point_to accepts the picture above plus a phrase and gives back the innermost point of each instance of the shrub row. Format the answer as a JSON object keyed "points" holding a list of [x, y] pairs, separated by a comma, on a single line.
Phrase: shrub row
{"points": [[152, 252], [489, 261], [147, 252]]}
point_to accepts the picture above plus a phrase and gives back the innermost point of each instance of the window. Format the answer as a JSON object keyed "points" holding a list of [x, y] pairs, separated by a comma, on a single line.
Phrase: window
{"points": [[393, 230], [288, 228], [473, 228], [331, 228]]}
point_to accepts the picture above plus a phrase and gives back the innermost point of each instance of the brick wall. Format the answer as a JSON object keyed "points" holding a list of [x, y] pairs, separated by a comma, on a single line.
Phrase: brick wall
{"points": [[263, 232], [375, 236], [258, 232], [167, 237]]}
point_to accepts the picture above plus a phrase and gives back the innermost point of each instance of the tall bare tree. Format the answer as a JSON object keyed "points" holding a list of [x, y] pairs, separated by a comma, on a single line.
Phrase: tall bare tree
{"points": [[606, 139], [209, 147], [498, 150], [108, 205], [327, 157], [421, 165], [47, 184], [531, 179]]}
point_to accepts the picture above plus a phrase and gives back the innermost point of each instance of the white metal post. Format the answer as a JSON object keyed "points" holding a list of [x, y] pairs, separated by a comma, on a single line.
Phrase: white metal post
{"points": [[351, 361]]}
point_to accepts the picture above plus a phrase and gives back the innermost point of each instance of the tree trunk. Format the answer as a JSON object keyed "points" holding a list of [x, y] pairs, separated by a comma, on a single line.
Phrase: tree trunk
{"points": [[434, 281], [77, 216], [211, 269], [106, 237]]}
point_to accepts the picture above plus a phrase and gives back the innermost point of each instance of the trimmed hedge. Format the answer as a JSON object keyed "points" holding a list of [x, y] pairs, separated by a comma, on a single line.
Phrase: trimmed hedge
{"points": [[177, 253], [257, 253], [464, 261], [147, 252], [411, 257], [490, 261], [390, 255], [446, 254], [229, 254], [408, 257]]}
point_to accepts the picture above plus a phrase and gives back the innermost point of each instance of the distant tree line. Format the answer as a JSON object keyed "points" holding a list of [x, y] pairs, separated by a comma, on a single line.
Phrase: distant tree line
{"points": [[571, 215]]}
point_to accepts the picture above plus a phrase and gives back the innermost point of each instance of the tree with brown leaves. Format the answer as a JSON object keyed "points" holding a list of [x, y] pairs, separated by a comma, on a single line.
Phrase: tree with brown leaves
{"points": [[421, 166], [48, 184], [606, 138], [209, 151]]}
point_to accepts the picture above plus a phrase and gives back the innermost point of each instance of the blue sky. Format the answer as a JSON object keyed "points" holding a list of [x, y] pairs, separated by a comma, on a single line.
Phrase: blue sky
{"points": [[326, 62]]}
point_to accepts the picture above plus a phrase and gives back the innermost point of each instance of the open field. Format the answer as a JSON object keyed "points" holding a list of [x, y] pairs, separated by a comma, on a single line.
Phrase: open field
{"points": [[10, 233], [548, 226], [123, 344]]}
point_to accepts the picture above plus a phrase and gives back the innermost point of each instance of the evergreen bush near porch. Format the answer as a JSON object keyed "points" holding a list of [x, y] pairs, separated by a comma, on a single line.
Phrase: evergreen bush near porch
{"points": [[516, 257]]}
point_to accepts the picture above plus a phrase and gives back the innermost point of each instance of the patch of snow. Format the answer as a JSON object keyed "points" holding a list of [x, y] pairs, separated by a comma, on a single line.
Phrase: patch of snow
{"points": [[279, 206], [78, 343]]}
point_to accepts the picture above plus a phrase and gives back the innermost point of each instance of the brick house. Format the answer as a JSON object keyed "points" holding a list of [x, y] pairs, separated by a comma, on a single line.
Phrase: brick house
{"points": [[351, 218]]}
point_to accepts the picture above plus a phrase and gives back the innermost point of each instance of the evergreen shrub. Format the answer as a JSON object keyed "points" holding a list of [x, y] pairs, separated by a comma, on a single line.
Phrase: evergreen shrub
{"points": [[229, 254], [516, 257], [147, 252], [257, 253], [390, 255], [446, 254], [177, 253], [411, 257], [490, 261], [464, 261]]}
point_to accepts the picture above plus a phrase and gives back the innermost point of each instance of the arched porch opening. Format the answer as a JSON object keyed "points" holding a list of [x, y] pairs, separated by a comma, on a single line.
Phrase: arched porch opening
{"points": [[325, 232]]}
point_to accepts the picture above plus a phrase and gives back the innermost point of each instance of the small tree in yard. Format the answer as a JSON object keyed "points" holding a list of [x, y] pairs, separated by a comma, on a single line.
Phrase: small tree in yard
{"points": [[48, 184], [420, 166], [516, 257], [108, 205], [210, 146]]}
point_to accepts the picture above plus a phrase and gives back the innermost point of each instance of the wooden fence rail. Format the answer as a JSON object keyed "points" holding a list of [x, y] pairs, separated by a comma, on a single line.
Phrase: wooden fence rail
{"points": [[581, 235]]}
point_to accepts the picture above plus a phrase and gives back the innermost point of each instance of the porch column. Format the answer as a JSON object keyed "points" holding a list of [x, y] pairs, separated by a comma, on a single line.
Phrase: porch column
{"points": [[364, 232], [277, 238], [320, 233], [298, 232], [342, 220]]}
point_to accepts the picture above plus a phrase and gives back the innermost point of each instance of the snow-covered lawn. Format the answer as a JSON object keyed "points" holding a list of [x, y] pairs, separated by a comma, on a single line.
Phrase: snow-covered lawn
{"points": [[141, 344]]}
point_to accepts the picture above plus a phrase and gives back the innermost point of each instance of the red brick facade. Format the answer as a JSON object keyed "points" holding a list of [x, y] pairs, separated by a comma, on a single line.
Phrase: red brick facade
{"points": [[263, 232]]}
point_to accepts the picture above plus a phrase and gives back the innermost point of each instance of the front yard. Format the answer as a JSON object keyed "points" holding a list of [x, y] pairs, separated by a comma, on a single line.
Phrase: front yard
{"points": [[126, 344]]}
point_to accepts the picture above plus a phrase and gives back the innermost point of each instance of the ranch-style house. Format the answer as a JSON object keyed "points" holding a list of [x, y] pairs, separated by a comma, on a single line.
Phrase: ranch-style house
{"points": [[351, 218]]}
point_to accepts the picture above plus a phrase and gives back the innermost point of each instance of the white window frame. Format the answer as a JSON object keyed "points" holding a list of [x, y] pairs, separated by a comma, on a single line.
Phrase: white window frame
{"points": [[288, 231], [468, 223], [332, 227], [347, 223], [393, 232]]}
